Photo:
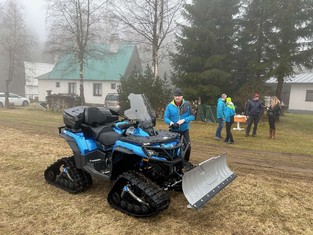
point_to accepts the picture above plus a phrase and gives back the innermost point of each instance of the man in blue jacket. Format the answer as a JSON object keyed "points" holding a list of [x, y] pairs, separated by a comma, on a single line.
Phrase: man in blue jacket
{"points": [[220, 114], [178, 114]]}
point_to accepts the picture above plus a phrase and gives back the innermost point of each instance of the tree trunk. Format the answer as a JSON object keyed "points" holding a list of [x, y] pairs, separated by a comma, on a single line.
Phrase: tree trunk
{"points": [[155, 40], [279, 87], [10, 77], [81, 82], [155, 61], [6, 102]]}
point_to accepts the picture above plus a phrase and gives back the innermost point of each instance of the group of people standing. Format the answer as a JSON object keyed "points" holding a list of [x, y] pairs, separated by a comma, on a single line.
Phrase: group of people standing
{"points": [[254, 109], [178, 115], [225, 113]]}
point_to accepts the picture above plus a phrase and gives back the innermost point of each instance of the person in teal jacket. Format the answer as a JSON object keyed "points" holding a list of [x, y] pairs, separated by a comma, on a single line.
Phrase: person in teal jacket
{"points": [[230, 112], [178, 115], [220, 114]]}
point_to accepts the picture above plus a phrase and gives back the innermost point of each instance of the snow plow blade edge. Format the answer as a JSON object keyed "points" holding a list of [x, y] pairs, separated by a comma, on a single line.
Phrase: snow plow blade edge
{"points": [[206, 180]]}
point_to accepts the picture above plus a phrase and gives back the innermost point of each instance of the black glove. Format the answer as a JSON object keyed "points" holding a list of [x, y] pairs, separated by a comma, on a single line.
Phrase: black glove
{"points": [[174, 126]]}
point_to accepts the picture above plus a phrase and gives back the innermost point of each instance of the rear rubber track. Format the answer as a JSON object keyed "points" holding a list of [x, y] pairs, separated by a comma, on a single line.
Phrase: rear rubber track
{"points": [[74, 181]]}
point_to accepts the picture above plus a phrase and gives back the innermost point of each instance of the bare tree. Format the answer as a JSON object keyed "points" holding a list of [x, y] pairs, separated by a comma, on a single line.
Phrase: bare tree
{"points": [[15, 39], [153, 21], [73, 26]]}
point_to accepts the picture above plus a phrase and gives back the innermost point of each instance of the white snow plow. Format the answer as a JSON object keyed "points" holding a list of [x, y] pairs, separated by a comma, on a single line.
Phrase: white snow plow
{"points": [[206, 180]]}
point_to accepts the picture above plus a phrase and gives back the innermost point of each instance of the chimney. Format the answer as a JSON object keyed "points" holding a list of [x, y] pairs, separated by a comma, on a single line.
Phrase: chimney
{"points": [[114, 43]]}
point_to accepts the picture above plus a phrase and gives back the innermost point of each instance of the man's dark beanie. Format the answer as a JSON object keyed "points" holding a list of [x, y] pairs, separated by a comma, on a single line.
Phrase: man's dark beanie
{"points": [[178, 92]]}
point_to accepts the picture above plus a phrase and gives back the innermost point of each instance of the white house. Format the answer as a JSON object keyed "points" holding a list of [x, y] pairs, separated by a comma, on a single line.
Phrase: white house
{"points": [[32, 71], [101, 75], [299, 92]]}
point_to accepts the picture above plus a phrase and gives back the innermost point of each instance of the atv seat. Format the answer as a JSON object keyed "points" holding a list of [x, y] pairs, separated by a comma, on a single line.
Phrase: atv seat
{"points": [[98, 125], [108, 137], [104, 134]]}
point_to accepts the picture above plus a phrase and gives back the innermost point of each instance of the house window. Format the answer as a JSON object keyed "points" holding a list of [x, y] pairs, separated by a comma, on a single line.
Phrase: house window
{"points": [[309, 95], [97, 89], [57, 84], [72, 88], [113, 86]]}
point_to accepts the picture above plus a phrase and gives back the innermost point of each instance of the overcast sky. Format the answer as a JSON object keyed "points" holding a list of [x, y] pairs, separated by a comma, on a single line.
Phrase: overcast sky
{"points": [[35, 17]]}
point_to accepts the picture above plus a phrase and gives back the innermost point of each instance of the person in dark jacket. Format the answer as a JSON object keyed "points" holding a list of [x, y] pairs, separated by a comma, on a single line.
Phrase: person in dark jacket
{"points": [[272, 112], [178, 114], [254, 110]]}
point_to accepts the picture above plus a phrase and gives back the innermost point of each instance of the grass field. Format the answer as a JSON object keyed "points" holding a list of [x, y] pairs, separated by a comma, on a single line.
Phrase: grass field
{"points": [[271, 195]]}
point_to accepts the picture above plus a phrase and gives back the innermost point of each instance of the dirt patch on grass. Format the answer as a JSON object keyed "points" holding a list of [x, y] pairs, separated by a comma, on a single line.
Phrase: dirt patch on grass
{"points": [[271, 195]]}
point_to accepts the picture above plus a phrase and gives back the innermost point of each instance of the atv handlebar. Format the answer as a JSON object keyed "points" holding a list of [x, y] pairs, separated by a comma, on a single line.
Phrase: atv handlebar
{"points": [[125, 126]]}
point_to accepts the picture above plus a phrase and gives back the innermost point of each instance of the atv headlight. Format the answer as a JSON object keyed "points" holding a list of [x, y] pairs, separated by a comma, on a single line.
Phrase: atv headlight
{"points": [[152, 153]]}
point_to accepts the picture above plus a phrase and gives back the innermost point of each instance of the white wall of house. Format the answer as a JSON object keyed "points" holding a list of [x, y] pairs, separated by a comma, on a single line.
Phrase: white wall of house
{"points": [[297, 100], [33, 70], [61, 86]]}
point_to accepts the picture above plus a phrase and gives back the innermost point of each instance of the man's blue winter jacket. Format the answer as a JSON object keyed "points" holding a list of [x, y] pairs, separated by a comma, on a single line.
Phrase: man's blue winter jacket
{"points": [[220, 108], [173, 113]]}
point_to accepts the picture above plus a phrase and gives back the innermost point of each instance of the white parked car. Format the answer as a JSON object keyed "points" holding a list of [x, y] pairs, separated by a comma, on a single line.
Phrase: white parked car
{"points": [[112, 101], [15, 99]]}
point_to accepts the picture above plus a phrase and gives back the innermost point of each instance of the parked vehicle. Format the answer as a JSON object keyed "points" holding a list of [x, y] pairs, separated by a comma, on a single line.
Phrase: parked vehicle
{"points": [[111, 101], [144, 163], [15, 99]]}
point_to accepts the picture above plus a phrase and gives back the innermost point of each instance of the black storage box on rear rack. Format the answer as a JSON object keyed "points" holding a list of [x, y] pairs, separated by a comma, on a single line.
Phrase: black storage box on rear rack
{"points": [[74, 117]]}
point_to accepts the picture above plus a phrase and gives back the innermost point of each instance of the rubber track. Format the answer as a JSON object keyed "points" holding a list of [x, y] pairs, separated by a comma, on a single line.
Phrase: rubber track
{"points": [[157, 197], [81, 179]]}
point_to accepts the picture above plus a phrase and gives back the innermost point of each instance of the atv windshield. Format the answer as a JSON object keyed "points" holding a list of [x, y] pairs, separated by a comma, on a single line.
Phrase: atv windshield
{"points": [[140, 110]]}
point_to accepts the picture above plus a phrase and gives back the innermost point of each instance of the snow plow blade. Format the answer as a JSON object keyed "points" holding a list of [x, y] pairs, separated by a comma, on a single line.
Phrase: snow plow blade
{"points": [[203, 182]]}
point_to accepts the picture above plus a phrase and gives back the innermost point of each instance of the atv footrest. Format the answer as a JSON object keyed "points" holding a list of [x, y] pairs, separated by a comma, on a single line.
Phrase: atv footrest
{"points": [[106, 174]]}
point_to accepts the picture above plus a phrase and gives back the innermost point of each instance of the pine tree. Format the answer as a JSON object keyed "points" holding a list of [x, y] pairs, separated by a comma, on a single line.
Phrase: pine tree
{"points": [[253, 48], [275, 39], [155, 89], [294, 39], [205, 49]]}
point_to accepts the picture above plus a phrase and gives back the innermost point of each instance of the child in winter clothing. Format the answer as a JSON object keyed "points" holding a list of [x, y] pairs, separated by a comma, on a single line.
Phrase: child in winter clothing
{"points": [[230, 112]]}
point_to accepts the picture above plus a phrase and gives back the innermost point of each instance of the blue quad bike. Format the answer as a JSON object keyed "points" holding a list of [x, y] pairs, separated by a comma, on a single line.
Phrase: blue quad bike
{"points": [[143, 163]]}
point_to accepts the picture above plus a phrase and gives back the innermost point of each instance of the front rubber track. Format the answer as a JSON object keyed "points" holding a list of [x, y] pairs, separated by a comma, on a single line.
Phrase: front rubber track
{"points": [[154, 198]]}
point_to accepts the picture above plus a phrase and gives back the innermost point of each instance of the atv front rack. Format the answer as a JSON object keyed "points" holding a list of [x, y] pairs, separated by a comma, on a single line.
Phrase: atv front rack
{"points": [[162, 147]]}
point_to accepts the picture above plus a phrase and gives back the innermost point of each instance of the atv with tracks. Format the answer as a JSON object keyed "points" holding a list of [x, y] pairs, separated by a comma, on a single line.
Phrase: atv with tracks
{"points": [[143, 163]]}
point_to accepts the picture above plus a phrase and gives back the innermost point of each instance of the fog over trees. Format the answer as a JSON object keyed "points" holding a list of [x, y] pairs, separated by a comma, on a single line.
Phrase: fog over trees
{"points": [[230, 46], [15, 40]]}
